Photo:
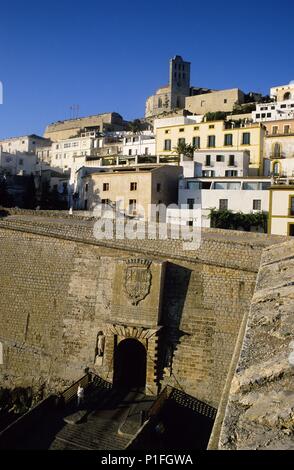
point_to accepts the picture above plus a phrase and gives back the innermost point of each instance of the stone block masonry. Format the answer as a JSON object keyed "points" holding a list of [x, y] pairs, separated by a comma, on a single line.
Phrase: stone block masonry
{"points": [[59, 289]]}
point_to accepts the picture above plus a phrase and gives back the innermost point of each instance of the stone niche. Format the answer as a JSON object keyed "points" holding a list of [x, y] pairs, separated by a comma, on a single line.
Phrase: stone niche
{"points": [[135, 313]]}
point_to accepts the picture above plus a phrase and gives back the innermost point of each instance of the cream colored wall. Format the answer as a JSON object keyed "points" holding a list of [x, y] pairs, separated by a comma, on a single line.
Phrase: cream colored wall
{"points": [[119, 188], [279, 226], [212, 102], [279, 211], [280, 91], [203, 130], [280, 202], [145, 194]]}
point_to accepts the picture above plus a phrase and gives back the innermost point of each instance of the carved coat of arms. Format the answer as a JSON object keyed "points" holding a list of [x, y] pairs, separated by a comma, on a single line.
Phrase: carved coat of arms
{"points": [[137, 279]]}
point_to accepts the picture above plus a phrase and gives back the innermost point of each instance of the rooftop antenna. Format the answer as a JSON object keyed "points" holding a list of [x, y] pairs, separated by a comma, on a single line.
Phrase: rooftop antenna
{"points": [[74, 111]]}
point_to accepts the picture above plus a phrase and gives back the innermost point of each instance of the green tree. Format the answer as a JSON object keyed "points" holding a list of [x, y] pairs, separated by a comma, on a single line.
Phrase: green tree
{"points": [[187, 150], [135, 126]]}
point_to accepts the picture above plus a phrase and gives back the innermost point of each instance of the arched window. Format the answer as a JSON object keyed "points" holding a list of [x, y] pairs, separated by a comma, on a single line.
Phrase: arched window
{"points": [[287, 96], [159, 102], [277, 150], [276, 169]]}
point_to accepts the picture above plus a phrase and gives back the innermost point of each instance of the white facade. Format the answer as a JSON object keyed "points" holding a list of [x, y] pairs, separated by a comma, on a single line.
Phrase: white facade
{"points": [[17, 163], [274, 111], [63, 152], [139, 144], [216, 164], [244, 195], [23, 144], [177, 121]]}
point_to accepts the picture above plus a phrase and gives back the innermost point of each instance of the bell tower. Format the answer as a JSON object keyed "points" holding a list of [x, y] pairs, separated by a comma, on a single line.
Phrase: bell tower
{"points": [[179, 80]]}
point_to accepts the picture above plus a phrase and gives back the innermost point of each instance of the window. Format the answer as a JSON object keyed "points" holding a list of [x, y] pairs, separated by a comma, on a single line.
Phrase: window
{"points": [[193, 185], [277, 150], [257, 115], [283, 106], [202, 102], [211, 141], [196, 128], [105, 201], [231, 160], [220, 158], [20, 162], [190, 203], [207, 160], [208, 174], [223, 204], [132, 205], [181, 130], [146, 151], [291, 205], [228, 139], [181, 141], [160, 103], [190, 223], [253, 186], [263, 115], [287, 129], [133, 186], [86, 187], [196, 142], [232, 185], [268, 114], [231, 173], [287, 96], [167, 131], [275, 129], [291, 230], [276, 169], [130, 152], [225, 100], [158, 187], [167, 144], [211, 126], [256, 204], [105, 186], [246, 138]]}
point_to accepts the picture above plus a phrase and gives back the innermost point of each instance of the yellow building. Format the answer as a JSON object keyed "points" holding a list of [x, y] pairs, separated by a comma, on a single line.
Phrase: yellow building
{"points": [[281, 210], [131, 190], [216, 135]]}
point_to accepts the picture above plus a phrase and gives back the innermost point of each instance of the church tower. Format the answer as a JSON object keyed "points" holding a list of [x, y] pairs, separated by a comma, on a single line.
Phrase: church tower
{"points": [[179, 81]]}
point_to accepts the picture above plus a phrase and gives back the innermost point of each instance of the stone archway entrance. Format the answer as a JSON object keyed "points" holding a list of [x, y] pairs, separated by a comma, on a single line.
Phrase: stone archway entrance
{"points": [[130, 363]]}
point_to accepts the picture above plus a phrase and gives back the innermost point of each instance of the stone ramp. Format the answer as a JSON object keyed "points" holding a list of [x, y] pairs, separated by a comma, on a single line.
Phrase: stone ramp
{"points": [[101, 428]]}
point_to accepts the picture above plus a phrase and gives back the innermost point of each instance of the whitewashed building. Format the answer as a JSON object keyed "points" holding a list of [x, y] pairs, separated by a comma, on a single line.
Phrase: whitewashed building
{"points": [[236, 194], [142, 144], [17, 163], [215, 163], [274, 111], [23, 144]]}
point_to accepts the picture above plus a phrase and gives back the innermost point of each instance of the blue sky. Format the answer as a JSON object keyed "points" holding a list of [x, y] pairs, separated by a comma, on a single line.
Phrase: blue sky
{"points": [[109, 56]]}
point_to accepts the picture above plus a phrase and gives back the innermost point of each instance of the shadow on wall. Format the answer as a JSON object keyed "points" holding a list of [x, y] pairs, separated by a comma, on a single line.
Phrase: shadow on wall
{"points": [[176, 285]]}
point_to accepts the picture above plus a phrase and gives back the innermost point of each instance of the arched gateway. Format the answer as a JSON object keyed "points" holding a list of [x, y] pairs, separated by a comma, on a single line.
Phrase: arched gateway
{"points": [[130, 361]]}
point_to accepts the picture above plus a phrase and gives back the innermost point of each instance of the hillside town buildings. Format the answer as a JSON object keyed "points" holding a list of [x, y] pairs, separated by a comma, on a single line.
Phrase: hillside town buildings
{"points": [[233, 151]]}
